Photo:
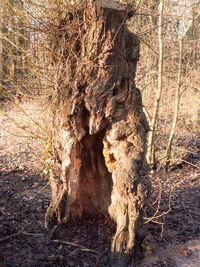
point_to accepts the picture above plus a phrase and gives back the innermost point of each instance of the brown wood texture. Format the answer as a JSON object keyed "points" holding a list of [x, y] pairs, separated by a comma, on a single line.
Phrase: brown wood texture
{"points": [[99, 127]]}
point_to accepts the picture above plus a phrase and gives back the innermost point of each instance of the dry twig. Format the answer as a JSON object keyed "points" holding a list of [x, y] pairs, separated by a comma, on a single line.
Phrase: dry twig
{"points": [[11, 236], [20, 232], [82, 248]]}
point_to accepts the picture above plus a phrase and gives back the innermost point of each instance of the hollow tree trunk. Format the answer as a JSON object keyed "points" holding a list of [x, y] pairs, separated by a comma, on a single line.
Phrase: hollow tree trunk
{"points": [[99, 127]]}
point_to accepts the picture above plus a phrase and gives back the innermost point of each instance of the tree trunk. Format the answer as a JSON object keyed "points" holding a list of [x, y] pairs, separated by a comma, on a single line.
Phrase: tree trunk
{"points": [[151, 145], [3, 31], [99, 127]]}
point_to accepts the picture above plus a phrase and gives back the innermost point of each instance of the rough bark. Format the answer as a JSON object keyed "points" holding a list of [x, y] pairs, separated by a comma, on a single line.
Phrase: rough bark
{"points": [[100, 129]]}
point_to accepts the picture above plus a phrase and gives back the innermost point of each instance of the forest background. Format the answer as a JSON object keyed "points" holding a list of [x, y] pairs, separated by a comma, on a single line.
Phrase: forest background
{"points": [[167, 75], [167, 72]]}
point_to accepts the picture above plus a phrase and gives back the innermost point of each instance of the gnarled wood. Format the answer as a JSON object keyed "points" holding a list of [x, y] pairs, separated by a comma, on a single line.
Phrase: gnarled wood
{"points": [[100, 129]]}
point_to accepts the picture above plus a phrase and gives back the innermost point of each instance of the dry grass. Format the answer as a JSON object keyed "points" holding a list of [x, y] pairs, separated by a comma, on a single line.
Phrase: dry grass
{"points": [[25, 127]]}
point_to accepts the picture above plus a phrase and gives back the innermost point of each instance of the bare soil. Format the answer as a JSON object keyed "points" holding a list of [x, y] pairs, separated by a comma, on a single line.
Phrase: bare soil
{"points": [[173, 230]]}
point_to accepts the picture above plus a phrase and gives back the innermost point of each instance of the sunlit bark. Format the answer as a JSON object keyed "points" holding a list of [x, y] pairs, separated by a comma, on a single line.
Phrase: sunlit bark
{"points": [[100, 130]]}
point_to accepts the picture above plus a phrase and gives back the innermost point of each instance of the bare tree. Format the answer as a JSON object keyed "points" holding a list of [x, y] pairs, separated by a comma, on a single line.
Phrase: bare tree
{"points": [[181, 36]]}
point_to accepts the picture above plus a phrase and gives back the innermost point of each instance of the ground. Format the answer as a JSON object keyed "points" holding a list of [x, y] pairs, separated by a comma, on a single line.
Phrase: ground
{"points": [[173, 239]]}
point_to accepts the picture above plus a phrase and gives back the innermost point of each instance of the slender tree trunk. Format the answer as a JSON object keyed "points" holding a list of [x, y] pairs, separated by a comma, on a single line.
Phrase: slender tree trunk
{"points": [[181, 37], [177, 100], [151, 147], [1, 66], [100, 129], [1, 50]]}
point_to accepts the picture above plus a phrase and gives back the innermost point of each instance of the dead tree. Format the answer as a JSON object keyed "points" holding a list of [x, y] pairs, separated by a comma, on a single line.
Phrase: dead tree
{"points": [[100, 130]]}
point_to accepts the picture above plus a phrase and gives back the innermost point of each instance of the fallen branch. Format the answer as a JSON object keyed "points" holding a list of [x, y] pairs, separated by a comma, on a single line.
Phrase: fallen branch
{"points": [[21, 232], [180, 159], [82, 248], [31, 234], [11, 236], [187, 162]]}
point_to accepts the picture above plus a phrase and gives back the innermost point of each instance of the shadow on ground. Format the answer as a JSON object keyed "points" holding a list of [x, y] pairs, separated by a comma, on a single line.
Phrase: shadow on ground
{"points": [[24, 241]]}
